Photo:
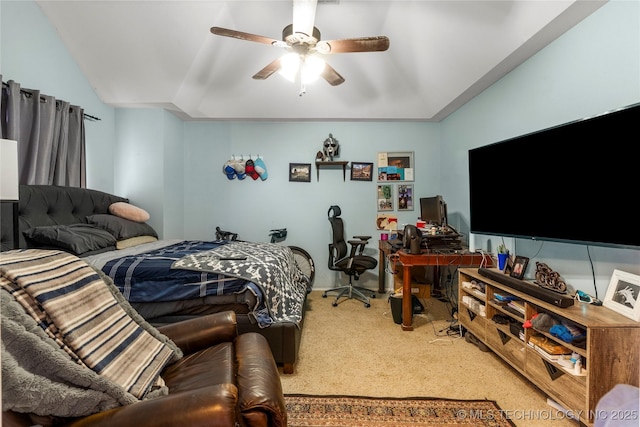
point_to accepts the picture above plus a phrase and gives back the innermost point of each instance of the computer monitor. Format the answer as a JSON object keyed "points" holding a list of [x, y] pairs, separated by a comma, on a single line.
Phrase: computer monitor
{"points": [[433, 210]]}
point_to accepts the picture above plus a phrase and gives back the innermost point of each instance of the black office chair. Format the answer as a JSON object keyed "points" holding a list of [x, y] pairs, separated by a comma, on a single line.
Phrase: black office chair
{"points": [[351, 262]]}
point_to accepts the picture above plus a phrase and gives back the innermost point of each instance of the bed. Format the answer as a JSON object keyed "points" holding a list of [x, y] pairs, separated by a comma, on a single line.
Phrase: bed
{"points": [[168, 280]]}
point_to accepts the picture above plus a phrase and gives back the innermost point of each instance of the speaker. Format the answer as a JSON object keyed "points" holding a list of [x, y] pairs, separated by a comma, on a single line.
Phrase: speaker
{"points": [[546, 295], [412, 239]]}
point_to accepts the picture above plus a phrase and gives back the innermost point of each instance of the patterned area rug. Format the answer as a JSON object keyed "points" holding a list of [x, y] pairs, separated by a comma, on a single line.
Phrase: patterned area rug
{"points": [[354, 411]]}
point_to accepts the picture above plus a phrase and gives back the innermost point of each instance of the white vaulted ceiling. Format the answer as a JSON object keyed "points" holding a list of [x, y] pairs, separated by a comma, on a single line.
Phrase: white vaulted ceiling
{"points": [[442, 53]]}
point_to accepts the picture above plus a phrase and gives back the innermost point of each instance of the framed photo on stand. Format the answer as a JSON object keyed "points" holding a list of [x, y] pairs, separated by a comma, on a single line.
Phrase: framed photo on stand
{"points": [[519, 267], [622, 294], [508, 268]]}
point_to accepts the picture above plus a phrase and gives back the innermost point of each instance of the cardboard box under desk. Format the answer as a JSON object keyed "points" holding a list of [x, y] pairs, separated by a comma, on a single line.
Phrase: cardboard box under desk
{"points": [[420, 290]]}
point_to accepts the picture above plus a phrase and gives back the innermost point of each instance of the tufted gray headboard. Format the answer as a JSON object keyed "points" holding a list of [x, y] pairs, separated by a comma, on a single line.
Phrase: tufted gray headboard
{"points": [[42, 205]]}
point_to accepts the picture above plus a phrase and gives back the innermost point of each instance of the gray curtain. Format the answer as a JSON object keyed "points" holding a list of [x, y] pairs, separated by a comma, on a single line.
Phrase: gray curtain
{"points": [[50, 135]]}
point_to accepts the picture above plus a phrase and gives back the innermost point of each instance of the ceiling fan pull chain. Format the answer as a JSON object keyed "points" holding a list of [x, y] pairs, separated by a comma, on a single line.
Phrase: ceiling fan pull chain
{"points": [[303, 88]]}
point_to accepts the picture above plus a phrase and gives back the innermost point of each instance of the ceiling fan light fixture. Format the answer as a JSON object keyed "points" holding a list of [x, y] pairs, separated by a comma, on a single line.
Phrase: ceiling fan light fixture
{"points": [[289, 66], [302, 41], [312, 68]]}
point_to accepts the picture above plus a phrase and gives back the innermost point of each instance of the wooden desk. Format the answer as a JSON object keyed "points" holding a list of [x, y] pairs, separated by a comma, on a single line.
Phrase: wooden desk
{"points": [[434, 259]]}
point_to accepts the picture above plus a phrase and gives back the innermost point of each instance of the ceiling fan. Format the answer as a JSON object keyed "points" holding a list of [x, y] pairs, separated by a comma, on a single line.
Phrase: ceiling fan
{"points": [[304, 46]]}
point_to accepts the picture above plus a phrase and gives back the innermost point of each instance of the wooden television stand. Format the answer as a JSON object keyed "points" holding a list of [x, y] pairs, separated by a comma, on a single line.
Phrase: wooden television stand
{"points": [[610, 356]]}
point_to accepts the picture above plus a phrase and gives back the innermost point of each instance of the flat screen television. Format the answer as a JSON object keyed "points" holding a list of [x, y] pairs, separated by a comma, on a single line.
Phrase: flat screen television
{"points": [[433, 210], [577, 182]]}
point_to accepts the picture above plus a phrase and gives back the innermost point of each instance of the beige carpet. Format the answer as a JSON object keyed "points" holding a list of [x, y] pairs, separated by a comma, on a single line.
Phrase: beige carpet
{"points": [[358, 351]]}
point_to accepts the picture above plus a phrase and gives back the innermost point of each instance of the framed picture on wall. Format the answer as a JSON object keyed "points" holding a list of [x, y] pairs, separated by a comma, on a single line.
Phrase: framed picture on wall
{"points": [[622, 294], [395, 166], [300, 172], [405, 197], [361, 171], [385, 197]]}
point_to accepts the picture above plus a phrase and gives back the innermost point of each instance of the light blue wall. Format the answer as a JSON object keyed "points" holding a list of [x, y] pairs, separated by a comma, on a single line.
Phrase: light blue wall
{"points": [[253, 207], [173, 178], [591, 69], [149, 166], [173, 169]]}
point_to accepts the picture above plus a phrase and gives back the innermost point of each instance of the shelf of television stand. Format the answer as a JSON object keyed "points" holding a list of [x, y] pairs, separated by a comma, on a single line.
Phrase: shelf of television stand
{"points": [[611, 354], [330, 164]]}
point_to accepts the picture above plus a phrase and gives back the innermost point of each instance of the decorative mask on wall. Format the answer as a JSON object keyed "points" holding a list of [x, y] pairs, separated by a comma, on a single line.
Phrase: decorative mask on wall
{"points": [[331, 148]]}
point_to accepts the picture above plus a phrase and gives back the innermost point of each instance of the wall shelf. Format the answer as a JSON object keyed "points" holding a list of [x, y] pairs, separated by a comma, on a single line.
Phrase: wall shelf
{"points": [[331, 165]]}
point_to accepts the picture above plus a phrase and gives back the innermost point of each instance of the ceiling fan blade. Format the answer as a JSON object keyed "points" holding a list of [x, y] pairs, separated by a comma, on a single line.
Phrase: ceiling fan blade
{"points": [[243, 36], [304, 14], [273, 67], [361, 44], [332, 76]]}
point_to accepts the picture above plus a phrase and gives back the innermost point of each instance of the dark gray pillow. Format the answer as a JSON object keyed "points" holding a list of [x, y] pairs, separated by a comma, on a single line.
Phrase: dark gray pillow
{"points": [[75, 238], [121, 228]]}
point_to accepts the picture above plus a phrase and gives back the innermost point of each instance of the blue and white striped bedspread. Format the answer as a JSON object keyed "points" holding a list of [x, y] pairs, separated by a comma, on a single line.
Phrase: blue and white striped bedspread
{"points": [[148, 277]]}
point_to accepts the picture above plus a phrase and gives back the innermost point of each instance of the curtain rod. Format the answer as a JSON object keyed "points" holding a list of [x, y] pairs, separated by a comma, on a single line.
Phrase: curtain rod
{"points": [[27, 92]]}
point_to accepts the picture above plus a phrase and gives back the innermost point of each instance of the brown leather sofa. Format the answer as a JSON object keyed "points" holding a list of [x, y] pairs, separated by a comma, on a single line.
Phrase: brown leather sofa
{"points": [[224, 379]]}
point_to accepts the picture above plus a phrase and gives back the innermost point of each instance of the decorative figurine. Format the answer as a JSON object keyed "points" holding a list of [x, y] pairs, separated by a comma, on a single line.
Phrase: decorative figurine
{"points": [[331, 148], [547, 278]]}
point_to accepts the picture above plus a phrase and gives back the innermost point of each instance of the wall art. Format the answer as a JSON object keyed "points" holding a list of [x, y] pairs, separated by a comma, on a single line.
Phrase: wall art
{"points": [[300, 172], [405, 197], [622, 294], [395, 166], [385, 197], [361, 171]]}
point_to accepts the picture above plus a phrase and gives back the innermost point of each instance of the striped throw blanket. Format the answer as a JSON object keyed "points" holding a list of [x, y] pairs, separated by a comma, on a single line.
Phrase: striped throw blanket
{"points": [[76, 308]]}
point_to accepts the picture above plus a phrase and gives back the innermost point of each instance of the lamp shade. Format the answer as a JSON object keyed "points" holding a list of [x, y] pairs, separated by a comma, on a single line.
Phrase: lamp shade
{"points": [[8, 170], [310, 67], [290, 64]]}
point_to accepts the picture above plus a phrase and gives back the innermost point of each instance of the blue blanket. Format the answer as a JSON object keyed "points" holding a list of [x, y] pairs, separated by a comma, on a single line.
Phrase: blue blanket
{"points": [[148, 277]]}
